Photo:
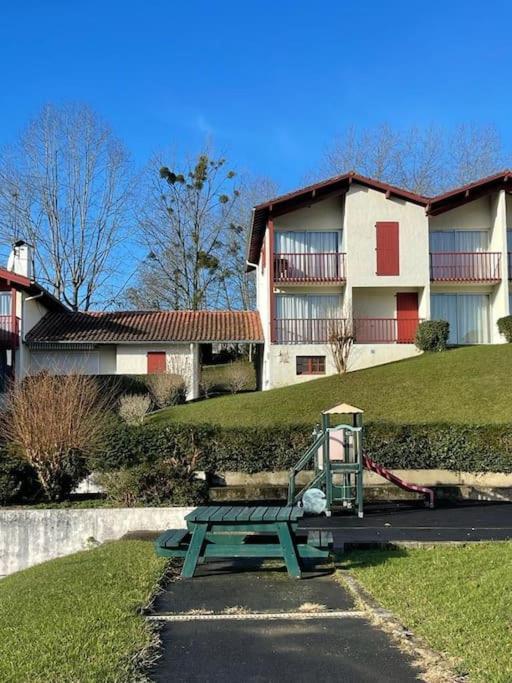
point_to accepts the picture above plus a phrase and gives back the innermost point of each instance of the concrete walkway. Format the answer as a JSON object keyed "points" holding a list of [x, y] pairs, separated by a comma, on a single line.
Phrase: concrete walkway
{"points": [[258, 625]]}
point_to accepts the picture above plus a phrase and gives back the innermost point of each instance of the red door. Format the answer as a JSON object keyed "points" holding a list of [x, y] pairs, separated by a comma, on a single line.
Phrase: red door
{"points": [[406, 316], [156, 362]]}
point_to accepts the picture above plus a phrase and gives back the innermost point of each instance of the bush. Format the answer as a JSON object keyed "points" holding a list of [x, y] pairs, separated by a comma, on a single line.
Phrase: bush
{"points": [[256, 449], [54, 423], [505, 327], [168, 482], [18, 480], [432, 335], [238, 377], [134, 407], [166, 389]]}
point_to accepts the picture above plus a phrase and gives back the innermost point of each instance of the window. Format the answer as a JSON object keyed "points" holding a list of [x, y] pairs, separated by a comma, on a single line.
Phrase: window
{"points": [[468, 315], [310, 365], [459, 241], [305, 318], [294, 242], [388, 255], [5, 303]]}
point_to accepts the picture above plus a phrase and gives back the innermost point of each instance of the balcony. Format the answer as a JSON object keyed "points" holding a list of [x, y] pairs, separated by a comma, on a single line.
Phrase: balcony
{"points": [[385, 330], [457, 266], [9, 332], [365, 330], [299, 268]]}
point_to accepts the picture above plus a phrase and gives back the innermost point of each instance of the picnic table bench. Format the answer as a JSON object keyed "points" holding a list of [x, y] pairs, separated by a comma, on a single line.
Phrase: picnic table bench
{"points": [[234, 532]]}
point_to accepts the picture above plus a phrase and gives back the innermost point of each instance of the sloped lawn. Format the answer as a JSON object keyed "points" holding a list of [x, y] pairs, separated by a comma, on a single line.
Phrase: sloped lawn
{"points": [[459, 599], [76, 618], [466, 385]]}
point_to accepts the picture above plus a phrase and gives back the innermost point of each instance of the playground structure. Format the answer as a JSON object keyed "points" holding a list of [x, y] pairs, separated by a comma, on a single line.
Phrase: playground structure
{"points": [[337, 460]]}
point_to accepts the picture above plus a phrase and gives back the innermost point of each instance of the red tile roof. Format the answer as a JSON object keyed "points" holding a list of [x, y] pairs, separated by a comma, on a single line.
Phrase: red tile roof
{"points": [[148, 326]]}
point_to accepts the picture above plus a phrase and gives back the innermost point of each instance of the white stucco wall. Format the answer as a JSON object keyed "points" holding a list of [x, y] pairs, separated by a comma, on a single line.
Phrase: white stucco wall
{"points": [[474, 215], [182, 359], [364, 207]]}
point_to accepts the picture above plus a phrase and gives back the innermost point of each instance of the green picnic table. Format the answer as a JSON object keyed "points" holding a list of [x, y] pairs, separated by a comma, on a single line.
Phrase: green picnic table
{"points": [[234, 532]]}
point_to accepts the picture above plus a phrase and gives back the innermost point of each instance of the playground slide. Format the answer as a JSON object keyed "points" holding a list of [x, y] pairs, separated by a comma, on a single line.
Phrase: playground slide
{"points": [[373, 466]]}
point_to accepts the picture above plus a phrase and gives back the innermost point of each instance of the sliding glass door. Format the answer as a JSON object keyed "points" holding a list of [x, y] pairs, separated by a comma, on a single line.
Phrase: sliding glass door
{"points": [[468, 315], [460, 241], [307, 254], [305, 318]]}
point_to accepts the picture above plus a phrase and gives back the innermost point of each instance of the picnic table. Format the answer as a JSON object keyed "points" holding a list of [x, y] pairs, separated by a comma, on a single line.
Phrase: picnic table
{"points": [[234, 532]]}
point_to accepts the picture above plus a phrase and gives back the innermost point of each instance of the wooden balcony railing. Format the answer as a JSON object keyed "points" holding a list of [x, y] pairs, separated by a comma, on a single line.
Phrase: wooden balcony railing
{"points": [[9, 332], [364, 330], [327, 267], [452, 266]]}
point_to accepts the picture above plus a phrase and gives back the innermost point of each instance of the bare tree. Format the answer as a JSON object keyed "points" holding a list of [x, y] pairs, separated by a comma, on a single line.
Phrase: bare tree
{"points": [[64, 187], [341, 339], [425, 160], [183, 221]]}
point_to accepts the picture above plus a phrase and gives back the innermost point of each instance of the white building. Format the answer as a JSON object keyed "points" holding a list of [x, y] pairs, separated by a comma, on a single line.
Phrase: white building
{"points": [[38, 332], [352, 248]]}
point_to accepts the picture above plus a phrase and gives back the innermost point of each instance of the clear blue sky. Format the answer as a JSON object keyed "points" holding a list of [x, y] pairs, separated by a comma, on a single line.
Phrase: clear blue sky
{"points": [[271, 82]]}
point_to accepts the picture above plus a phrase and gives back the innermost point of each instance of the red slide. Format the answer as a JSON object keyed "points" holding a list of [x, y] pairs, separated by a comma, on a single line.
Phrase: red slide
{"points": [[387, 474]]}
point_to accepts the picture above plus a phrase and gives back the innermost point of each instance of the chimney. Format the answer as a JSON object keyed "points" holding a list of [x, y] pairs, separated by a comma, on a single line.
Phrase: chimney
{"points": [[20, 259]]}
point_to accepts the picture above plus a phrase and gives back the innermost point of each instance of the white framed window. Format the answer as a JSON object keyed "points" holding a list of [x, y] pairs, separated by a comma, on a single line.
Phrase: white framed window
{"points": [[459, 241]]}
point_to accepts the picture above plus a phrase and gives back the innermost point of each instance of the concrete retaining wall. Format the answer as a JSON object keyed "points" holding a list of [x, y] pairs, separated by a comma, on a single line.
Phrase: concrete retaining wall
{"points": [[28, 537]]}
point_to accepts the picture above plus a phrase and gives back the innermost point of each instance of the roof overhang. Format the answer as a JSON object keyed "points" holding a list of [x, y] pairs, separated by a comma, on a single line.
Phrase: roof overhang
{"points": [[470, 192], [32, 288], [337, 186]]}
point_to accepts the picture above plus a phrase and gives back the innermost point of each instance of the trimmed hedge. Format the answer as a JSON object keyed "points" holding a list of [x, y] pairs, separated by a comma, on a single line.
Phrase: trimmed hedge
{"points": [[256, 449], [432, 335], [505, 327]]}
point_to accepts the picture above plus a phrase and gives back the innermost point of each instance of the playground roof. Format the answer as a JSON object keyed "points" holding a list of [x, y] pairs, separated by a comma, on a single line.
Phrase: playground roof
{"points": [[342, 409]]}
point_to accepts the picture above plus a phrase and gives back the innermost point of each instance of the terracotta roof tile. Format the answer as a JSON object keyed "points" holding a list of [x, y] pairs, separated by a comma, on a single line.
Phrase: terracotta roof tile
{"points": [[148, 326]]}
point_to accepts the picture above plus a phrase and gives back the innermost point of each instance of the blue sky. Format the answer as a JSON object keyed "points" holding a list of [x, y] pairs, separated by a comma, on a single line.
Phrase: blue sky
{"points": [[270, 82]]}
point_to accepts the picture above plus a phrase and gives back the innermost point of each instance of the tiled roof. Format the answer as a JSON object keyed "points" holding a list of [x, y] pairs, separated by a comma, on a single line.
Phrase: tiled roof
{"points": [[149, 326]]}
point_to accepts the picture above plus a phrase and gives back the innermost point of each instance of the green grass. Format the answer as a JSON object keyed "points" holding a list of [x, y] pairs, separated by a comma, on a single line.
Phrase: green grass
{"points": [[465, 385], [76, 618], [459, 599], [219, 374]]}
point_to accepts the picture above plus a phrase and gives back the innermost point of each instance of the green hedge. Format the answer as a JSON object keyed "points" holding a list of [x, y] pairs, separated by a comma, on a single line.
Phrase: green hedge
{"points": [[255, 449]]}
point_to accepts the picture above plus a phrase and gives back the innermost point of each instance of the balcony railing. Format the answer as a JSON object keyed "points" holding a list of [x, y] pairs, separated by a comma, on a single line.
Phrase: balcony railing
{"points": [[365, 330], [385, 330], [9, 331], [325, 267], [456, 266]]}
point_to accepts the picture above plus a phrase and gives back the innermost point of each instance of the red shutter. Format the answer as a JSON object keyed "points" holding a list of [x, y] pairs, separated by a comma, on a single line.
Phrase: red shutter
{"points": [[388, 256], [156, 362]]}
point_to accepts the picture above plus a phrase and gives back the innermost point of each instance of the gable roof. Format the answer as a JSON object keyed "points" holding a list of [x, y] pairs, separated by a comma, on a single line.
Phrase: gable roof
{"points": [[32, 288], [148, 326], [339, 185]]}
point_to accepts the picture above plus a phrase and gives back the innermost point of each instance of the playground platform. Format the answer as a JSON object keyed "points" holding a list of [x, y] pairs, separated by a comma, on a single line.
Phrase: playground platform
{"points": [[469, 521]]}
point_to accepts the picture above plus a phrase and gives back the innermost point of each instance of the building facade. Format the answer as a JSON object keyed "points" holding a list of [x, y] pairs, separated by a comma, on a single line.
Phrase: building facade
{"points": [[354, 253]]}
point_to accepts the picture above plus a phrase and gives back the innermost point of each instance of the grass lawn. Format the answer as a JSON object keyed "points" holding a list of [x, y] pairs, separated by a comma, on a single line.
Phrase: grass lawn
{"points": [[459, 599], [219, 374], [75, 618], [465, 385]]}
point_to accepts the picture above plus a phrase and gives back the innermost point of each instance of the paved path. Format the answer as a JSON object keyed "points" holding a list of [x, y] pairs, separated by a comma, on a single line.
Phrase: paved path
{"points": [[259, 625]]}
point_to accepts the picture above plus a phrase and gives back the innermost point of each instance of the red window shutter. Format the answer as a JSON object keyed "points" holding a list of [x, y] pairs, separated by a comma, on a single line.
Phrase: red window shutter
{"points": [[157, 362], [388, 254]]}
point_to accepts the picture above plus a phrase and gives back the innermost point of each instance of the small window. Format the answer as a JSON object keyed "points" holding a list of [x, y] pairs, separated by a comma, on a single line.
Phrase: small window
{"points": [[311, 365]]}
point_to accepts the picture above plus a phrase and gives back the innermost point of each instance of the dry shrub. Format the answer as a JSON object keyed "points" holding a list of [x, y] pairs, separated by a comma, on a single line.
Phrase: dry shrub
{"points": [[238, 377], [206, 385], [341, 339], [54, 422], [134, 407], [167, 389]]}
